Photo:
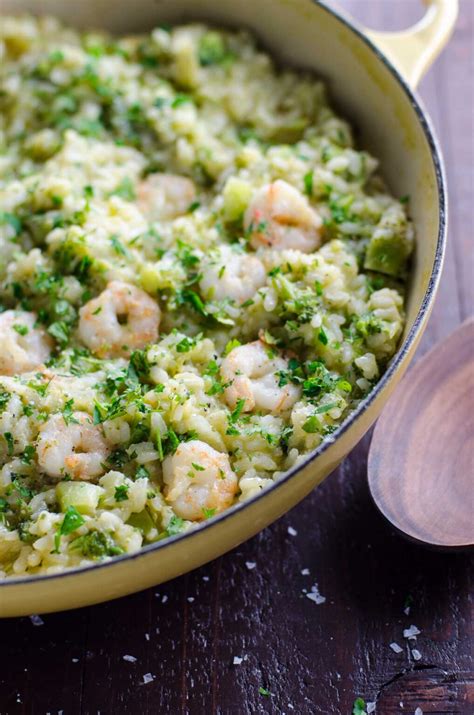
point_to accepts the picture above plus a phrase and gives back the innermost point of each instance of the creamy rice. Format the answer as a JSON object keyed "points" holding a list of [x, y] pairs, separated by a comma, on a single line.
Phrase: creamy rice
{"points": [[201, 275]]}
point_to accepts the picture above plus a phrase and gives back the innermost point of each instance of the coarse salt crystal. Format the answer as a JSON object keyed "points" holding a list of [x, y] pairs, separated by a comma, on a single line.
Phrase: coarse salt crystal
{"points": [[147, 678], [291, 531], [250, 565], [130, 658], [237, 660], [396, 648], [305, 572], [75, 660], [205, 578], [37, 620], [147, 636], [315, 595], [190, 599], [411, 632], [416, 654], [164, 599], [418, 711], [370, 707], [406, 611]]}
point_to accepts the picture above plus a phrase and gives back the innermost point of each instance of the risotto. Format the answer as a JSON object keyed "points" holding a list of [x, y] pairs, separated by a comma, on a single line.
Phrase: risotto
{"points": [[201, 275]]}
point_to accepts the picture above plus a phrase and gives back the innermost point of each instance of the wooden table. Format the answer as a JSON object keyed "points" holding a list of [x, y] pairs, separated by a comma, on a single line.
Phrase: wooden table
{"points": [[250, 604]]}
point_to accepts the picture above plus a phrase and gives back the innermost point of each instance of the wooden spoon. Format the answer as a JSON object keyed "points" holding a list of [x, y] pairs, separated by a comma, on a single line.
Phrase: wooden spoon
{"points": [[421, 460]]}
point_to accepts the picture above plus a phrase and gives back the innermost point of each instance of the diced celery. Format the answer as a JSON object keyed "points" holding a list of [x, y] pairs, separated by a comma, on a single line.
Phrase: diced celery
{"points": [[387, 254], [142, 520], [237, 195], [149, 278], [81, 495]]}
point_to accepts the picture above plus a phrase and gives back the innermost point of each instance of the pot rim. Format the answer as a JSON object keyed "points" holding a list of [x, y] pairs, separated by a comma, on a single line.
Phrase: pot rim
{"points": [[233, 511]]}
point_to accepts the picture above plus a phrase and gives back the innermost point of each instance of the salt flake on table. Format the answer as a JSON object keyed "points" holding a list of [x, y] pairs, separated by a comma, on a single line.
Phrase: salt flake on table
{"points": [[305, 572], [396, 648], [205, 578], [237, 660], [190, 599], [147, 678], [291, 531], [315, 595], [250, 565], [164, 599], [416, 654], [370, 708], [147, 636], [130, 658], [411, 632], [418, 711], [37, 620]]}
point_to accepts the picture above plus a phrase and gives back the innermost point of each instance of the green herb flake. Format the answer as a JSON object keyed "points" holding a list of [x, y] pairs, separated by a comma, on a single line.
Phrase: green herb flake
{"points": [[8, 437], [208, 513], [142, 473], [180, 99], [21, 329], [121, 492], [358, 707], [60, 331], [175, 525], [28, 454], [72, 521], [235, 414], [118, 246], [308, 183], [264, 691], [67, 412], [4, 400], [322, 337]]}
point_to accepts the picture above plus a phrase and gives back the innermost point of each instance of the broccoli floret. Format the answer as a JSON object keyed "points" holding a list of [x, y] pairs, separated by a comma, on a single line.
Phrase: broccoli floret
{"points": [[96, 545]]}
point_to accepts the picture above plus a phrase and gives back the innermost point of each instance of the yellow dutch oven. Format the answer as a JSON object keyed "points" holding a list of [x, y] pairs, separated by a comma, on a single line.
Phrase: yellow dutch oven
{"points": [[371, 78]]}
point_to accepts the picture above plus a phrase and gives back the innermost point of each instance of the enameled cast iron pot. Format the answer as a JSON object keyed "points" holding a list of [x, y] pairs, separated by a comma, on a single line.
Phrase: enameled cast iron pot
{"points": [[371, 78]]}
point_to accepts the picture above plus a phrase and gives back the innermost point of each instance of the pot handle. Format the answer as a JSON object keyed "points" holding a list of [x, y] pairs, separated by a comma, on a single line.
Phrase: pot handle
{"points": [[414, 50]]}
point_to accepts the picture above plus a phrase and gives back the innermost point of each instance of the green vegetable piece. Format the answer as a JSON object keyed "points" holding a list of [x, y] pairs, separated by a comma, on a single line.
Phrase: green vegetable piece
{"points": [[84, 497], [142, 521], [237, 195], [388, 254], [212, 49], [96, 545]]}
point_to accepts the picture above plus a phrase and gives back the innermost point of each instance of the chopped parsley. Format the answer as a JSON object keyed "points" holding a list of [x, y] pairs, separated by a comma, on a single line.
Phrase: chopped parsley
{"points": [[175, 525], [72, 521], [21, 329], [308, 183], [121, 492], [8, 437]]}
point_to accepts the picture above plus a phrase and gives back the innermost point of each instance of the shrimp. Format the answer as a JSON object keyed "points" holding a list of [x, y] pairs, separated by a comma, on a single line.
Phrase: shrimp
{"points": [[165, 196], [198, 480], [76, 448], [24, 346], [280, 217], [251, 374], [122, 318], [231, 274]]}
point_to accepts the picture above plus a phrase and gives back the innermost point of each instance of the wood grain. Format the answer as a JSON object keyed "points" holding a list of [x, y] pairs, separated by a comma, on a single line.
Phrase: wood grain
{"points": [[317, 658], [421, 459]]}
